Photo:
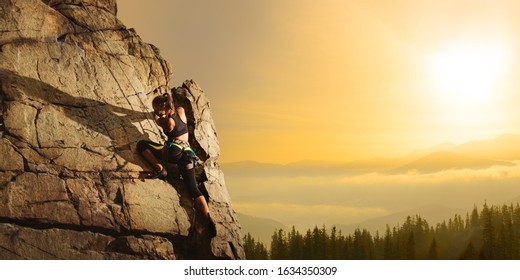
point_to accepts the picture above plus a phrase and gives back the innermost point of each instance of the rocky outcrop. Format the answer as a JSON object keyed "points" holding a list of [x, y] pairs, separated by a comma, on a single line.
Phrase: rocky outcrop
{"points": [[75, 89]]}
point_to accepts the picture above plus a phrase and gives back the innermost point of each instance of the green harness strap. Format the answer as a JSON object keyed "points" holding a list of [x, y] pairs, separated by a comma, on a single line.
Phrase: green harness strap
{"points": [[169, 145]]}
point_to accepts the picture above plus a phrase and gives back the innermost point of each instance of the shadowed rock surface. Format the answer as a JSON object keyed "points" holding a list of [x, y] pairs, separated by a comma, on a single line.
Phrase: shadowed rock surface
{"points": [[75, 89]]}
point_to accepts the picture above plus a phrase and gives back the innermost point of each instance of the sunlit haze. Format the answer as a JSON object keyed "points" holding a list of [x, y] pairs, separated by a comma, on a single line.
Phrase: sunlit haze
{"points": [[342, 80], [468, 74], [341, 112]]}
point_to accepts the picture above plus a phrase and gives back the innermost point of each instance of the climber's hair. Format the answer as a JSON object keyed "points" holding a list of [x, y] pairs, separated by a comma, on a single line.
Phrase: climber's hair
{"points": [[163, 99]]}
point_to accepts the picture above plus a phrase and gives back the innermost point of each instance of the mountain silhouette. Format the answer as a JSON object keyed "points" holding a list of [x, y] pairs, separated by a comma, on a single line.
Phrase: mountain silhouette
{"points": [[504, 147], [445, 156], [441, 161], [260, 228]]}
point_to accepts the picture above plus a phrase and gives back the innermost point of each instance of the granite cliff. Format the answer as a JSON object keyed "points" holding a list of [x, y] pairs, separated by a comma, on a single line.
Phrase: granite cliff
{"points": [[75, 89]]}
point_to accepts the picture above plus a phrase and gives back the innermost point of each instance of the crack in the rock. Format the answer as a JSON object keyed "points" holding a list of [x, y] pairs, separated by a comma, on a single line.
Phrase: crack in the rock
{"points": [[73, 19], [74, 201], [36, 127], [20, 41], [13, 179], [86, 5], [119, 56], [186, 87], [62, 37], [54, 58], [37, 224], [165, 69], [233, 250], [150, 73], [17, 150], [46, 202], [12, 252], [101, 193], [39, 249], [90, 150], [125, 207], [20, 30], [2, 113], [179, 242]]}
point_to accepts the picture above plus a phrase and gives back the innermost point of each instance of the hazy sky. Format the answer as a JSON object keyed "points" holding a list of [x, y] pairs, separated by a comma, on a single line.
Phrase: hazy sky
{"points": [[306, 200], [293, 80]]}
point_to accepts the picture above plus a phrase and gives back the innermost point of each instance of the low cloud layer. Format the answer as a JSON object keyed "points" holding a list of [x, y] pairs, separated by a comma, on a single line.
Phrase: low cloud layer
{"points": [[308, 216], [306, 201]]}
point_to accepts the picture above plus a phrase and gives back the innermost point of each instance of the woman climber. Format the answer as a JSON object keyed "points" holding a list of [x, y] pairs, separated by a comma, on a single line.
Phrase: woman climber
{"points": [[176, 150]]}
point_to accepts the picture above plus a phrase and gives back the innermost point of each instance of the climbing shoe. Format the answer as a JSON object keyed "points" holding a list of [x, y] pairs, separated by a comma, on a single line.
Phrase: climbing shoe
{"points": [[159, 174], [211, 228]]}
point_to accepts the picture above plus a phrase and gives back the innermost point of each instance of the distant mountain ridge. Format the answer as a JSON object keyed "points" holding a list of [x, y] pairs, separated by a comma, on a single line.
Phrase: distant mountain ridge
{"points": [[440, 161], [470, 155], [261, 229], [504, 147]]}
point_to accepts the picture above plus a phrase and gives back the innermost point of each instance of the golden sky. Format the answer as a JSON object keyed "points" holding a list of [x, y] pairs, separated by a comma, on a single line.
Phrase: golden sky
{"points": [[338, 80]]}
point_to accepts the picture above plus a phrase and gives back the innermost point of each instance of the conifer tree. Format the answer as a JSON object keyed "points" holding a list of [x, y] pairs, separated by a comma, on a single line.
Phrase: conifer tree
{"points": [[410, 247], [388, 248], [295, 243], [469, 253], [516, 232], [279, 246], [432, 252], [494, 233], [487, 233], [254, 250]]}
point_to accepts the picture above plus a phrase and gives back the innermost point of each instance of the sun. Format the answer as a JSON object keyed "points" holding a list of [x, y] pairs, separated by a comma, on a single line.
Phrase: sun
{"points": [[468, 75]]}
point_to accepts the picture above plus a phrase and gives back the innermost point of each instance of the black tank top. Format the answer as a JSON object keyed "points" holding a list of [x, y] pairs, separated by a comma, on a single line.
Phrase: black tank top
{"points": [[179, 129]]}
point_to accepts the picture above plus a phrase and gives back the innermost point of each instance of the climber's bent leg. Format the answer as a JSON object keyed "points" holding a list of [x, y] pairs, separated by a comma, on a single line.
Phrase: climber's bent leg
{"points": [[201, 205], [205, 221], [152, 152], [186, 167]]}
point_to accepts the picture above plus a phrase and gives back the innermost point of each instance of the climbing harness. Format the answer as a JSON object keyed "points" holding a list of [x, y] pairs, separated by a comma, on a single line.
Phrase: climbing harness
{"points": [[144, 106], [183, 146]]}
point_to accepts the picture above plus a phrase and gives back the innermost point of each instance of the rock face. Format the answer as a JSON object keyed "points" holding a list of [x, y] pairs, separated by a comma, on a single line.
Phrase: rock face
{"points": [[75, 89]]}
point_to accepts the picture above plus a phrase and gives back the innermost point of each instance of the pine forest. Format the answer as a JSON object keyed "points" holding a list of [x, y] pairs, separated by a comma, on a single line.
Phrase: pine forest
{"points": [[491, 234]]}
